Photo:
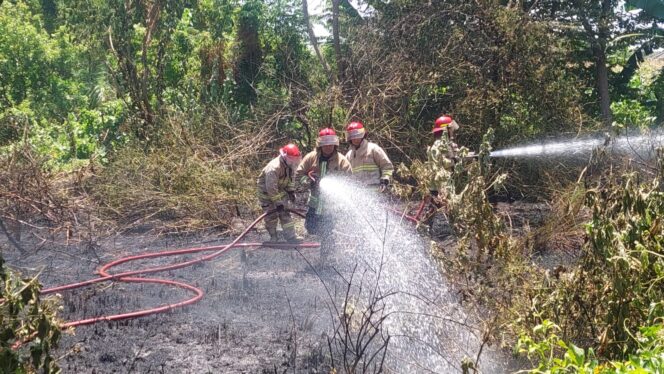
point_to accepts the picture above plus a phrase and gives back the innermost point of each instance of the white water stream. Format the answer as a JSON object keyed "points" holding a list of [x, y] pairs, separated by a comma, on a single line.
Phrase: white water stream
{"points": [[429, 331], [639, 146]]}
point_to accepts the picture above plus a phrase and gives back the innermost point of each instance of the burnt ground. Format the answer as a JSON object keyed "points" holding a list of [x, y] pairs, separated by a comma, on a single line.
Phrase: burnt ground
{"points": [[262, 314], [264, 311]]}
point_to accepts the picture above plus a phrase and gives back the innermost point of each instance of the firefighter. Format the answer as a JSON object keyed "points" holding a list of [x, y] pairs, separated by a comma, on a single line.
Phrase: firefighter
{"points": [[324, 160], [276, 188], [442, 161], [443, 133], [370, 163], [442, 154]]}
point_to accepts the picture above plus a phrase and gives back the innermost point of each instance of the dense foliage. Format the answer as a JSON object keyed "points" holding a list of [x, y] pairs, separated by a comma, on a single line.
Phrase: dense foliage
{"points": [[617, 288], [142, 110]]}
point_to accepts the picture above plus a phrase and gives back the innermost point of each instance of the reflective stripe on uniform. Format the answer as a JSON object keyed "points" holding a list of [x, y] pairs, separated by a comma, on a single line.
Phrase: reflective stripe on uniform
{"points": [[365, 168], [323, 172], [370, 163], [275, 198]]}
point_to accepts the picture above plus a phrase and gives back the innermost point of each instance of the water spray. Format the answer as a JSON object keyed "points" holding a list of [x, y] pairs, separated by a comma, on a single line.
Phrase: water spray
{"points": [[642, 146], [428, 331]]}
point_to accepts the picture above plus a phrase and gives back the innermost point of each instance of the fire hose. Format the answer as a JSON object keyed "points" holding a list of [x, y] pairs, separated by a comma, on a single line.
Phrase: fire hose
{"points": [[416, 219], [132, 276]]}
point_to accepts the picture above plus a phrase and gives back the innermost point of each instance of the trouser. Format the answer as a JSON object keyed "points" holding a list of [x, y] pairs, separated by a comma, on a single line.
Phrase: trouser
{"points": [[272, 219], [317, 224], [322, 226]]}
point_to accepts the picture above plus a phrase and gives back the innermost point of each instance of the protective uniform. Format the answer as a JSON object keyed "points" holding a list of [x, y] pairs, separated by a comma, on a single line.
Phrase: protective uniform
{"points": [[315, 166], [370, 163], [276, 188], [441, 154]]}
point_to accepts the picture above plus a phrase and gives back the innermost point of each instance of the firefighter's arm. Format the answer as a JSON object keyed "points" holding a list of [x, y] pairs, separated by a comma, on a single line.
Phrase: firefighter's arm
{"points": [[384, 164], [301, 177], [272, 185], [344, 165]]}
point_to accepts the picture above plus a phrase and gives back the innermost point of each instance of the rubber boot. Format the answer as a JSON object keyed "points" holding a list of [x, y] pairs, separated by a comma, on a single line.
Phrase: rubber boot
{"points": [[273, 236], [295, 239]]}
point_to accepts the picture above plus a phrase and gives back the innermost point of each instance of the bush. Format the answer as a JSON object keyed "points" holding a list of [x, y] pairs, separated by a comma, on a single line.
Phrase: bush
{"points": [[620, 277], [28, 326], [550, 354]]}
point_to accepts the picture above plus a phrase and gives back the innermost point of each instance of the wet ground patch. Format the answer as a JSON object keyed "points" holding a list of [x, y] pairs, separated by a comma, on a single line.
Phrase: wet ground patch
{"points": [[262, 310]]}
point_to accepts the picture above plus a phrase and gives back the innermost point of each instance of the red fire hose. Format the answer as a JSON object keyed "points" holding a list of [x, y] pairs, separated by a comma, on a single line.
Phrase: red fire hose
{"points": [[130, 276], [418, 214]]}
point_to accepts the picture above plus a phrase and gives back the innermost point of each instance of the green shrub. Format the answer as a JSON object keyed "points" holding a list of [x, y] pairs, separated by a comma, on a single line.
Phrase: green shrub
{"points": [[550, 354], [28, 327], [618, 285]]}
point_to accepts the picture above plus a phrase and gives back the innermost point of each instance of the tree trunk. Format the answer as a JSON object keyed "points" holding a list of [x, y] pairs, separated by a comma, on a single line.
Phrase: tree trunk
{"points": [[603, 35], [336, 41], [603, 85], [312, 38], [598, 41]]}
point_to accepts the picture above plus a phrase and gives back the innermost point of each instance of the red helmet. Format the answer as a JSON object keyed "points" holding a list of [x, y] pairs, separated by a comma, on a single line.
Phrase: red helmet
{"points": [[291, 155], [441, 123], [355, 130], [290, 149], [327, 136]]}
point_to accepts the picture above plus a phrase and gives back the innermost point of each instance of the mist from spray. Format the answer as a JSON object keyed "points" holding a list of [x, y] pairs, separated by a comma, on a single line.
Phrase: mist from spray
{"points": [[641, 146], [429, 331]]}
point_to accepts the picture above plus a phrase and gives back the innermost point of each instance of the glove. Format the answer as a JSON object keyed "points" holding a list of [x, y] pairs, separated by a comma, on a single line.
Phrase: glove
{"points": [[384, 183], [313, 177], [280, 208], [314, 184], [291, 196]]}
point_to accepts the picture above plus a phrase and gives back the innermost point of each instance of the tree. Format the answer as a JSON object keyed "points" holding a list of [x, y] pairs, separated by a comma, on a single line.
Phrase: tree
{"points": [[312, 38], [600, 27], [137, 34], [341, 68], [486, 64], [250, 54]]}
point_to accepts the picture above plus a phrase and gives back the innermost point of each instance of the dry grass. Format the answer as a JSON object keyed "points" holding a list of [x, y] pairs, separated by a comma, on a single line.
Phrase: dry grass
{"points": [[563, 228], [189, 181], [31, 197], [200, 175]]}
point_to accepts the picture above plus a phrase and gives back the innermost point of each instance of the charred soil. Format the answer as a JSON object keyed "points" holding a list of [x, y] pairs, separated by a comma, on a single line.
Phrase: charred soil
{"points": [[264, 310]]}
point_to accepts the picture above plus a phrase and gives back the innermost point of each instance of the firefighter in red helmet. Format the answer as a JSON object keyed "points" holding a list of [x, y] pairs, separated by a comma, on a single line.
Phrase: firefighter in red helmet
{"points": [[445, 125], [370, 163], [443, 153], [322, 161], [276, 188]]}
